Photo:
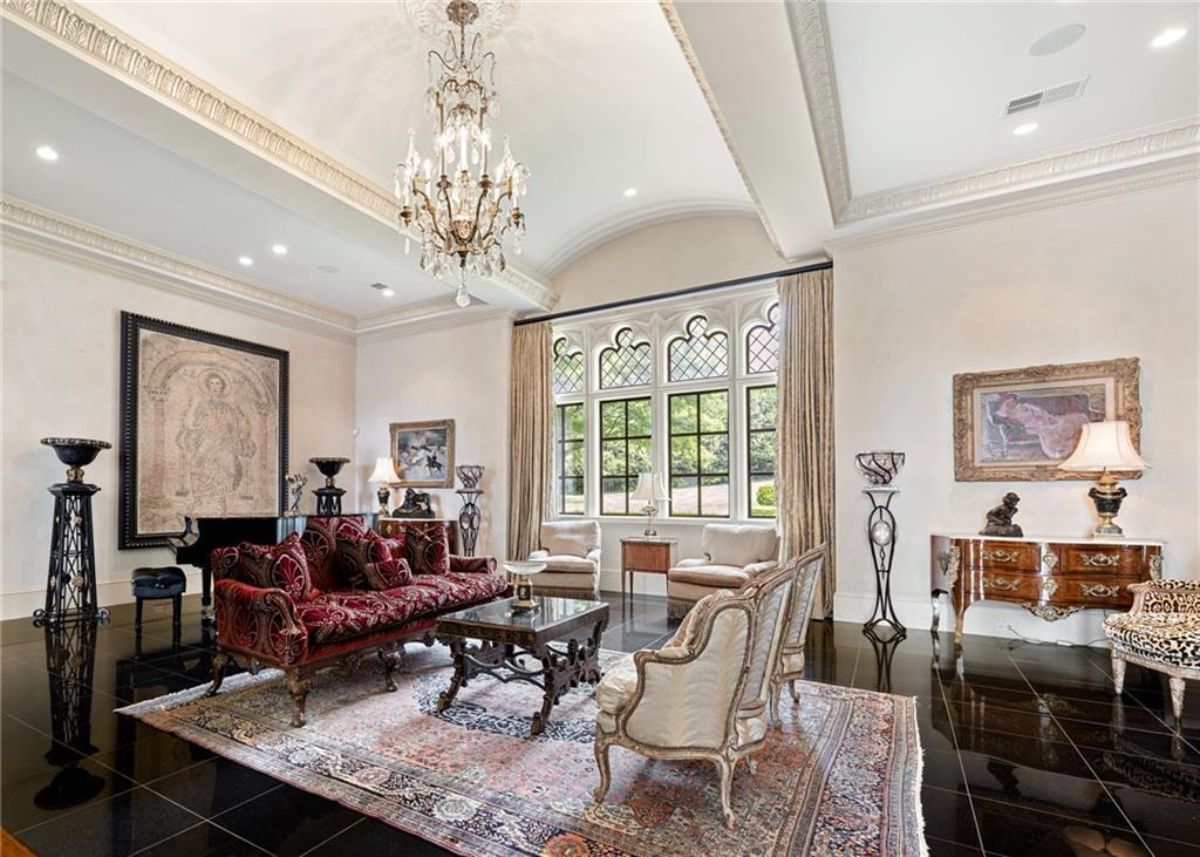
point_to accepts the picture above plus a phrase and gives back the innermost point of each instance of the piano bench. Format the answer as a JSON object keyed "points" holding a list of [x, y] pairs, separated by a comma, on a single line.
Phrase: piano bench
{"points": [[169, 582]]}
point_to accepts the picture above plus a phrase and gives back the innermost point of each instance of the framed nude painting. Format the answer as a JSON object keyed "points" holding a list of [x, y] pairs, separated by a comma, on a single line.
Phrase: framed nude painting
{"points": [[424, 453], [1020, 424], [204, 429]]}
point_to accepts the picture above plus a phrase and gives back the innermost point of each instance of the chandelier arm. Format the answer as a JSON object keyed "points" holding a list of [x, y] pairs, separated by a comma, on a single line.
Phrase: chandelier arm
{"points": [[431, 211]]}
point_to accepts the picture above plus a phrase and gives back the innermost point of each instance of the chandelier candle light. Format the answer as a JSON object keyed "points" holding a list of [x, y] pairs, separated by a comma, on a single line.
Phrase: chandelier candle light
{"points": [[462, 214]]}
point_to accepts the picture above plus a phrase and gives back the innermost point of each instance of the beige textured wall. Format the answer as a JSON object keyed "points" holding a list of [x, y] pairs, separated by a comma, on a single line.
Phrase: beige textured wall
{"points": [[457, 372], [61, 324], [1113, 278], [668, 256]]}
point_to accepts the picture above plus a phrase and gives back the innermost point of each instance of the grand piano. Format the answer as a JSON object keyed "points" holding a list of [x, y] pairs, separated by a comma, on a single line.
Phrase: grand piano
{"points": [[201, 536]]}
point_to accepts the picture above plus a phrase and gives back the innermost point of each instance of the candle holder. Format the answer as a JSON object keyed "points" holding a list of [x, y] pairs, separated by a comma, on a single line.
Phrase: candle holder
{"points": [[71, 580], [880, 468], [329, 496]]}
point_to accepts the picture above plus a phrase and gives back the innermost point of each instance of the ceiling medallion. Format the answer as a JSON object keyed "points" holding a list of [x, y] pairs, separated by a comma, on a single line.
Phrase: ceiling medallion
{"points": [[452, 204]]}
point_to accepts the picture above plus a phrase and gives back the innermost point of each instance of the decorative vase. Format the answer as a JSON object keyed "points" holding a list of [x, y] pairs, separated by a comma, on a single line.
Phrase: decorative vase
{"points": [[880, 467], [469, 475], [329, 496], [71, 581]]}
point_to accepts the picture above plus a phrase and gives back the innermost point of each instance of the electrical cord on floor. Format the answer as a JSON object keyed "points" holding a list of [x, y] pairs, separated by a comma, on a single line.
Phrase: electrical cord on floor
{"points": [[1019, 637]]}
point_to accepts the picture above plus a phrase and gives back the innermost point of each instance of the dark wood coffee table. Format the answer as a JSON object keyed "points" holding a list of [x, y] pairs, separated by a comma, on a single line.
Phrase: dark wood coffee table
{"points": [[508, 641]]}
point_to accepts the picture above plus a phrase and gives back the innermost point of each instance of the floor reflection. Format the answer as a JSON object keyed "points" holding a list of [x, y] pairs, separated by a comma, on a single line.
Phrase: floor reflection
{"points": [[70, 664]]}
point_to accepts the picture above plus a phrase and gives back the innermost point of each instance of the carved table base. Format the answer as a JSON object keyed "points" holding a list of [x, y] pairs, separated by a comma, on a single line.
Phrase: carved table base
{"points": [[556, 667]]}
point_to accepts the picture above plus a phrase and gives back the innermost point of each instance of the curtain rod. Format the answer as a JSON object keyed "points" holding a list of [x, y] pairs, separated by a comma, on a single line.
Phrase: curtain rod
{"points": [[662, 296]]}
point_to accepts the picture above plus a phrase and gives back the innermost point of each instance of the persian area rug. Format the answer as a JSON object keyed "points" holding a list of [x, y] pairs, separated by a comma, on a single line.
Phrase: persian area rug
{"points": [[843, 776]]}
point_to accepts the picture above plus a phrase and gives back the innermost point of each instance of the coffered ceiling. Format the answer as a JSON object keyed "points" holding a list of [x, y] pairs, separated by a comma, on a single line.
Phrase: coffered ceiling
{"points": [[211, 130]]}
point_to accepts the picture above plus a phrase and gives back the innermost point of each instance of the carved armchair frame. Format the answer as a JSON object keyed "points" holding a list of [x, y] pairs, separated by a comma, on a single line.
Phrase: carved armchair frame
{"points": [[1176, 674]]}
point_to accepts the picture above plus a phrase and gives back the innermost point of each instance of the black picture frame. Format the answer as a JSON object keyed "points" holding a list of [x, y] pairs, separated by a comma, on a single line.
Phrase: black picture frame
{"points": [[132, 325]]}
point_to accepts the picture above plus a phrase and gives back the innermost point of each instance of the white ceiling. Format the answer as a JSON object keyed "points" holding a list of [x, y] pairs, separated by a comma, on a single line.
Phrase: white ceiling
{"points": [[922, 86], [596, 97]]}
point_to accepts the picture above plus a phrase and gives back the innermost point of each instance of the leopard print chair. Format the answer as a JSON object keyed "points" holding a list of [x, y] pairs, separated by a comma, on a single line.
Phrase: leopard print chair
{"points": [[1161, 632]]}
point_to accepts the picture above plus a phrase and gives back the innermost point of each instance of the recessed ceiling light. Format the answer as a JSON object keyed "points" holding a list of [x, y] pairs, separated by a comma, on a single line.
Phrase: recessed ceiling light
{"points": [[1168, 36], [46, 153], [1026, 128], [631, 191], [1057, 40], [388, 293], [245, 261], [279, 249]]}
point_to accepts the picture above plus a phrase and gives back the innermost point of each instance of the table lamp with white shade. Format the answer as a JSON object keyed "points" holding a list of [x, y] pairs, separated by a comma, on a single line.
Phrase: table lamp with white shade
{"points": [[651, 491], [1103, 448], [385, 475]]}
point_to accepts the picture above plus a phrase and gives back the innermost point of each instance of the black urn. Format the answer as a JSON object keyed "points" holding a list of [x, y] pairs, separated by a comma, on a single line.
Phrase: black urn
{"points": [[76, 452], [329, 467]]}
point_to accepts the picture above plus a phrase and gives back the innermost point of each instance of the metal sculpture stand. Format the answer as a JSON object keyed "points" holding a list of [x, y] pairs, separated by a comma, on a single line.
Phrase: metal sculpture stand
{"points": [[469, 519], [881, 535], [71, 580]]}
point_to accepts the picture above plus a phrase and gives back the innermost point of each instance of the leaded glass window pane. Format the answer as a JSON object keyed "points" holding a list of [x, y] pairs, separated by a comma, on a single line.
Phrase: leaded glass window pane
{"points": [[762, 344], [568, 368], [699, 353], [625, 364]]}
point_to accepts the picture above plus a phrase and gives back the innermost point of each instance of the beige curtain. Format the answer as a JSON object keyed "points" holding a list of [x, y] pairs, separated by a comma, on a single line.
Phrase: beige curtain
{"points": [[806, 516], [530, 423]]}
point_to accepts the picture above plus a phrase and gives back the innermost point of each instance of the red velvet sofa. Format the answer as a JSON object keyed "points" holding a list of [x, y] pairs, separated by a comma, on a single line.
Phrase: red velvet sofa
{"points": [[337, 592]]}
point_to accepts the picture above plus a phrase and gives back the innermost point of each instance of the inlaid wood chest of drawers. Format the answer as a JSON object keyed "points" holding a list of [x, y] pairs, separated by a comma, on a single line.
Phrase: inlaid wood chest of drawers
{"points": [[1049, 577]]}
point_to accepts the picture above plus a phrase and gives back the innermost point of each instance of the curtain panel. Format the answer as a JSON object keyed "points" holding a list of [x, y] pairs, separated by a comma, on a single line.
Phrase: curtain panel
{"points": [[530, 425], [806, 454]]}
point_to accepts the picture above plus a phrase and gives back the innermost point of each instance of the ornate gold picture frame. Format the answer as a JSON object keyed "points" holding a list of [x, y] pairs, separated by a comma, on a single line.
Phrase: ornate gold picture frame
{"points": [[1019, 424], [423, 453]]}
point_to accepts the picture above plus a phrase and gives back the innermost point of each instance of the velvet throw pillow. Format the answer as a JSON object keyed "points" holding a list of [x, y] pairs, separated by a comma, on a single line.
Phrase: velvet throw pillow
{"points": [[428, 548], [357, 552], [282, 566], [390, 573]]}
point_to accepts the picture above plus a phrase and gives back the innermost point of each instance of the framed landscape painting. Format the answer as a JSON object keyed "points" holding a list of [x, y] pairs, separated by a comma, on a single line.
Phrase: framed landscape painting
{"points": [[424, 453], [204, 429], [1020, 424]]}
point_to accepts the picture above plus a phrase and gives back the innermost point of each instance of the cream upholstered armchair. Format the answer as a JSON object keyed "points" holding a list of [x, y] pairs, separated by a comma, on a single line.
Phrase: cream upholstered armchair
{"points": [[795, 634], [704, 695], [571, 551], [1161, 632], [733, 555]]}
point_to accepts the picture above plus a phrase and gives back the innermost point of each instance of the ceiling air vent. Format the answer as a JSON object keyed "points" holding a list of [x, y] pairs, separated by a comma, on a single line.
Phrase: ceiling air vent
{"points": [[1050, 95]]}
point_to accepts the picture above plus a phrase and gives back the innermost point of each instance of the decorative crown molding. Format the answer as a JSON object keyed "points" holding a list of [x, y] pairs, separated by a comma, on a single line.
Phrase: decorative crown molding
{"points": [[689, 54], [811, 38], [46, 231], [103, 46], [1057, 198]]}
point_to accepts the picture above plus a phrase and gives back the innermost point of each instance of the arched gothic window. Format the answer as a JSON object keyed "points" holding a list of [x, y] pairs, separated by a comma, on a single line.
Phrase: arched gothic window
{"points": [[568, 368], [762, 344], [699, 353], [625, 364]]}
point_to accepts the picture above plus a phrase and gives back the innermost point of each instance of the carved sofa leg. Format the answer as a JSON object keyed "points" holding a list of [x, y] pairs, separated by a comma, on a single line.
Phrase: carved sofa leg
{"points": [[220, 663], [298, 686], [392, 661]]}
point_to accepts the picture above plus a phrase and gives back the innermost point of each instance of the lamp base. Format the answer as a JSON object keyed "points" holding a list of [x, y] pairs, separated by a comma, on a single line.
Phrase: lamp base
{"points": [[384, 494], [1107, 496], [650, 512]]}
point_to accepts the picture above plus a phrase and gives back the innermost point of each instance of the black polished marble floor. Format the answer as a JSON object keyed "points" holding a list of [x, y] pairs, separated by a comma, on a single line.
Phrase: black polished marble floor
{"points": [[1025, 746]]}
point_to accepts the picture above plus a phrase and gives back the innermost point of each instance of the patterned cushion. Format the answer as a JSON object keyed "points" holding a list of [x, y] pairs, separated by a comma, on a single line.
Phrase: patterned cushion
{"points": [[1170, 637], [454, 590], [391, 573], [428, 547], [1171, 596], [358, 551], [337, 616], [282, 566], [320, 537]]}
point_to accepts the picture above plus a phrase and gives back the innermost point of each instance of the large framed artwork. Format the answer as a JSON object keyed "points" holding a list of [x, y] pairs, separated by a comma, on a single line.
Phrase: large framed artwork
{"points": [[1020, 424], [204, 428], [424, 453]]}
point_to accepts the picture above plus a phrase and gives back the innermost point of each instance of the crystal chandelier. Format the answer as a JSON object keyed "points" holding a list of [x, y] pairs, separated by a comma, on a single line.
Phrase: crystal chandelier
{"points": [[457, 209]]}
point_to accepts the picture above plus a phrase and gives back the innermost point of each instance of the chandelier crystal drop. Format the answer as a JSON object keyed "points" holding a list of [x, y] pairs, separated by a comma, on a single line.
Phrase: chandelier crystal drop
{"points": [[458, 210]]}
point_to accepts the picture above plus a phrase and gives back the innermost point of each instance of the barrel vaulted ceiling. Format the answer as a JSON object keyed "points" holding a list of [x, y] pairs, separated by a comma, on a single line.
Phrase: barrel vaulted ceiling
{"points": [[211, 130]]}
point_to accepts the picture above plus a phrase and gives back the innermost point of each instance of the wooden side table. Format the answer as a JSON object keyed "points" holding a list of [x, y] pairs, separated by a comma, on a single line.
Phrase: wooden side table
{"points": [[648, 555]]}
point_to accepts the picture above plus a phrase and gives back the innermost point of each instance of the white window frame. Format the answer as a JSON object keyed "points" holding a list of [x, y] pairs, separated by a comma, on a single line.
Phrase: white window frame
{"points": [[733, 312]]}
